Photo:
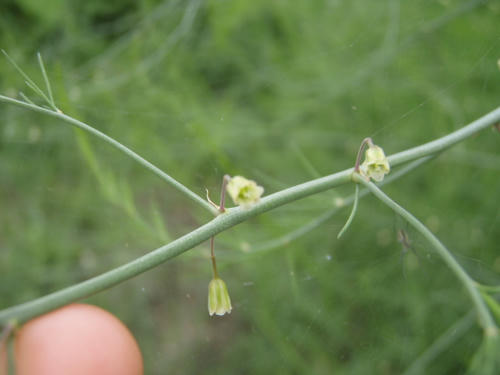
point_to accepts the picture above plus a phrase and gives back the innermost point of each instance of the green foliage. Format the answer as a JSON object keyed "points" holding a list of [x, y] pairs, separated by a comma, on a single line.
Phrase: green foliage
{"points": [[207, 88], [487, 361]]}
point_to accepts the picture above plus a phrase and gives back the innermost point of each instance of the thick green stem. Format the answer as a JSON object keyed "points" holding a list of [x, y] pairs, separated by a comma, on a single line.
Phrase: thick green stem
{"points": [[485, 319], [231, 218], [61, 116]]}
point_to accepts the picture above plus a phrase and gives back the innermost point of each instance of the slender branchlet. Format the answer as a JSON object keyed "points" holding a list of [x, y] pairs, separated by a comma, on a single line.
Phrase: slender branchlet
{"points": [[485, 319], [353, 212]]}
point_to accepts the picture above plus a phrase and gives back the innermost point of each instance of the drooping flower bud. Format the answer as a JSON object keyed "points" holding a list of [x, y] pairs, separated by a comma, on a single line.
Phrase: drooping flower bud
{"points": [[375, 165], [219, 302], [244, 192]]}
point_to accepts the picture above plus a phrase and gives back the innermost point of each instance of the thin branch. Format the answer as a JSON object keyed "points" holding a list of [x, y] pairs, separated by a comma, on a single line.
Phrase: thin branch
{"points": [[26, 99], [27, 79], [485, 319], [47, 82], [79, 124], [353, 212], [29, 82]]}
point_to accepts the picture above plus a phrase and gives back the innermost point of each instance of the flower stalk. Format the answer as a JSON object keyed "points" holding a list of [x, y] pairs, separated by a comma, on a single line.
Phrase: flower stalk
{"points": [[367, 141], [212, 257], [219, 302]]}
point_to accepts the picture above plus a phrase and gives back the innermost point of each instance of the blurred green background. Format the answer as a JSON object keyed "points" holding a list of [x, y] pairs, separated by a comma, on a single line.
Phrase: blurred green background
{"points": [[277, 91]]}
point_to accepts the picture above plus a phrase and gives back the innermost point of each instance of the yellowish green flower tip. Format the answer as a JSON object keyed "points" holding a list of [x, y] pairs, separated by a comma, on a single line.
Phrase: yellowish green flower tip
{"points": [[375, 165], [244, 192], [219, 302]]}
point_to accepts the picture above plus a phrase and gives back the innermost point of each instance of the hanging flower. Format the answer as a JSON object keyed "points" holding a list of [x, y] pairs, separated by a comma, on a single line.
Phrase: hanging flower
{"points": [[375, 165], [244, 192], [219, 302]]}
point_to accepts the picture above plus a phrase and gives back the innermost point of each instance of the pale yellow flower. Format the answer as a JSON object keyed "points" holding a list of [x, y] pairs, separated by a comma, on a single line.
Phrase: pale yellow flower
{"points": [[375, 165], [219, 302], [244, 192]]}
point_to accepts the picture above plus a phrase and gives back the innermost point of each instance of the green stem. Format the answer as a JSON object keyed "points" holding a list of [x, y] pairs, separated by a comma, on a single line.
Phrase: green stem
{"points": [[485, 319], [29, 82], [231, 218], [353, 212], [61, 116], [47, 82]]}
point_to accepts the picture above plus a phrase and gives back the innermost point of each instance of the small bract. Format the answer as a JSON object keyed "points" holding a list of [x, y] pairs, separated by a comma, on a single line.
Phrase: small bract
{"points": [[244, 192], [219, 302], [375, 165]]}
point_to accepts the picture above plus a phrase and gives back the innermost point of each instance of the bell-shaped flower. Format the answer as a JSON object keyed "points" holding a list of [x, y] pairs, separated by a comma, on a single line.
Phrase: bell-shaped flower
{"points": [[219, 302], [244, 192], [375, 165]]}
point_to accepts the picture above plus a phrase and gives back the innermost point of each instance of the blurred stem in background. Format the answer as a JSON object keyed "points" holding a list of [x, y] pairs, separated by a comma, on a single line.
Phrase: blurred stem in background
{"points": [[443, 342]]}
